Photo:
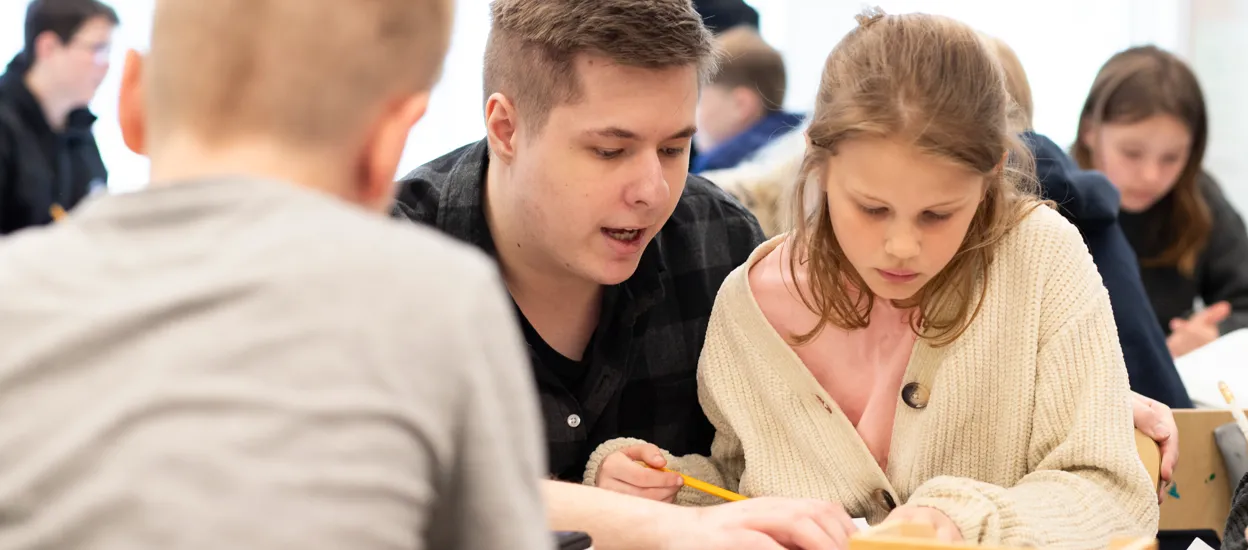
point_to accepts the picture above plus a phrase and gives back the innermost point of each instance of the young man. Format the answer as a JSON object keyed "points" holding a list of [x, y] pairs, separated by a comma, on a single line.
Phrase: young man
{"points": [[740, 112], [612, 254], [248, 354], [48, 157]]}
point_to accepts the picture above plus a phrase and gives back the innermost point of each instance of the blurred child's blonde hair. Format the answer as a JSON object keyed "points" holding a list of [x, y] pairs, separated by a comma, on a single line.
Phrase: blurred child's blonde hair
{"points": [[933, 82], [1015, 82]]}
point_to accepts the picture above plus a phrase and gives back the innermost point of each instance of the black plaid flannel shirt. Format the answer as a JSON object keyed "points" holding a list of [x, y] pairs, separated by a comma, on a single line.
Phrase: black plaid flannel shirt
{"points": [[642, 378]]}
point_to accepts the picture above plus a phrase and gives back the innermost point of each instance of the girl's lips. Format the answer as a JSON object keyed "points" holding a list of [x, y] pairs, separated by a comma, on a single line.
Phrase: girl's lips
{"points": [[897, 276]]}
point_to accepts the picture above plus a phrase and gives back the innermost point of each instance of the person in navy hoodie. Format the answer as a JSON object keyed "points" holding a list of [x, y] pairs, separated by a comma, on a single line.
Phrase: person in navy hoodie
{"points": [[1090, 202], [740, 111]]}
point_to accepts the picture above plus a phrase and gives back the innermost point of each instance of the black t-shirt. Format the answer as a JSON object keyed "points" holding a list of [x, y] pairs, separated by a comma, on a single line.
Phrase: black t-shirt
{"points": [[570, 372]]}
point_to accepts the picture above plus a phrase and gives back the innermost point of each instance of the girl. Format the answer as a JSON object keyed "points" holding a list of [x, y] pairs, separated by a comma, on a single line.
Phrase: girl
{"points": [[930, 335], [1144, 125]]}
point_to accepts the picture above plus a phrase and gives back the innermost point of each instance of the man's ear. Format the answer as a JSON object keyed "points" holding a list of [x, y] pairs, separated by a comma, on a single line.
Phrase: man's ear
{"points": [[748, 103], [502, 125], [131, 104], [45, 44], [385, 150]]}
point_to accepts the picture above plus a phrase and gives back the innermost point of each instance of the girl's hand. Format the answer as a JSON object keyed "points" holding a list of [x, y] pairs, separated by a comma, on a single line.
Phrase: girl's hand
{"points": [[1156, 420], [620, 472], [946, 530]]}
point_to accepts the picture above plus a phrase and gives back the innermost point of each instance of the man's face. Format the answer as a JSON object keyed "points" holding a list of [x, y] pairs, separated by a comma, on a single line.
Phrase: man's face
{"points": [[603, 174], [77, 67]]}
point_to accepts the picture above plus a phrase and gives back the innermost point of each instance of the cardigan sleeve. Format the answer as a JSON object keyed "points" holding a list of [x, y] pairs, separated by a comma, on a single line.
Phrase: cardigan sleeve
{"points": [[722, 469], [1085, 483]]}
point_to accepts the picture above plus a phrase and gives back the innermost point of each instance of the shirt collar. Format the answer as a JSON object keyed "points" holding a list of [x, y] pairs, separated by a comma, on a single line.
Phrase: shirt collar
{"points": [[461, 209]]}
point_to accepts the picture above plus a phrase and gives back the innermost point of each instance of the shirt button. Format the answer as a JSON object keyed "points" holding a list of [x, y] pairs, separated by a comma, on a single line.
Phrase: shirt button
{"points": [[915, 395], [574, 421]]}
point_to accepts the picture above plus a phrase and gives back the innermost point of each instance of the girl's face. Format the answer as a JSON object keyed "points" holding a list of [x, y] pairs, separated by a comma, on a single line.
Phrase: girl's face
{"points": [[1143, 159], [899, 214]]}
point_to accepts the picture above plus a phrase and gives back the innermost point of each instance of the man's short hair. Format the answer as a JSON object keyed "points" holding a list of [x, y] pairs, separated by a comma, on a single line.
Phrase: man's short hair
{"points": [[533, 45], [63, 17], [310, 72], [746, 60]]}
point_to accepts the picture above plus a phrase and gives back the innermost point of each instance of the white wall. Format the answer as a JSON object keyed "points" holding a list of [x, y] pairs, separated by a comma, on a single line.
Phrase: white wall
{"points": [[1219, 41], [1062, 43], [455, 111]]}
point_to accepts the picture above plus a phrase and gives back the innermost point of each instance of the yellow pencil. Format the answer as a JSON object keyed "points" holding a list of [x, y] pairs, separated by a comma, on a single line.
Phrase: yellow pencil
{"points": [[702, 485]]}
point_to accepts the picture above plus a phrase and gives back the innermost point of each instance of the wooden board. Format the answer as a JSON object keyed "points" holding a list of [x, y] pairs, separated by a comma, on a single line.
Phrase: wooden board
{"points": [[1150, 455], [1204, 494], [901, 536]]}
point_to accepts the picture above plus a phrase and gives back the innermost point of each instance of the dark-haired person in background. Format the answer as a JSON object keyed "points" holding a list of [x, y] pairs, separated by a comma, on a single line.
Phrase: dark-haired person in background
{"points": [[48, 157], [721, 15], [1145, 126]]}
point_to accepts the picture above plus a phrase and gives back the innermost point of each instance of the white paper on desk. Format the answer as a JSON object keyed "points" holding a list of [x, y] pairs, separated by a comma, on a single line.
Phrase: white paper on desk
{"points": [[1199, 545], [861, 524], [1223, 359]]}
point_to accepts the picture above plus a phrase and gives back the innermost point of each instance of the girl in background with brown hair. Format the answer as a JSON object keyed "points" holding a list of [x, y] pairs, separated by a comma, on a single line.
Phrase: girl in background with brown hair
{"points": [[1145, 126], [932, 343]]}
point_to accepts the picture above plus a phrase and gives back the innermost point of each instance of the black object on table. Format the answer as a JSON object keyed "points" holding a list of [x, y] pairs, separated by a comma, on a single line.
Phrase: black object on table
{"points": [[573, 540]]}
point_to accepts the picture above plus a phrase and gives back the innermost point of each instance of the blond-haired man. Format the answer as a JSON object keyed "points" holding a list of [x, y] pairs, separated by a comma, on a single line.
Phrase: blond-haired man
{"points": [[248, 354]]}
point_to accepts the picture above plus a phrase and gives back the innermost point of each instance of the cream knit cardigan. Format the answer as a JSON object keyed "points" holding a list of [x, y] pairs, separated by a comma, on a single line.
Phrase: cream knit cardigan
{"points": [[1025, 433]]}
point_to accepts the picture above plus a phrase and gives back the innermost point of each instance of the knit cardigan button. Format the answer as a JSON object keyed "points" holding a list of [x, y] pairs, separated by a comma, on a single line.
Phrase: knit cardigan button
{"points": [[885, 499], [915, 396]]}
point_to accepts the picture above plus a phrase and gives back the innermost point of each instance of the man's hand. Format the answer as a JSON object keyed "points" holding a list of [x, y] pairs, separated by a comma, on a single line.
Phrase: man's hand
{"points": [[1156, 420], [761, 524], [1201, 328], [946, 529], [620, 472]]}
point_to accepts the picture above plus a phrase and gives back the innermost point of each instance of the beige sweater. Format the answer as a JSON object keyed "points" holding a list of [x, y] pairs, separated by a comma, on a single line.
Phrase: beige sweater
{"points": [[1024, 436]]}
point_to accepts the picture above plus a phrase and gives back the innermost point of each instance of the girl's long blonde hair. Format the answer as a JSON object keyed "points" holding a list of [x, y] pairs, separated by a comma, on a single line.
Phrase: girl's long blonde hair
{"points": [[933, 82]]}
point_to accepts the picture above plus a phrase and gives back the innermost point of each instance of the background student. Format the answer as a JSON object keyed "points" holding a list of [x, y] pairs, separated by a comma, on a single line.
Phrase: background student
{"points": [[248, 354], [1145, 126], [741, 109], [48, 157]]}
